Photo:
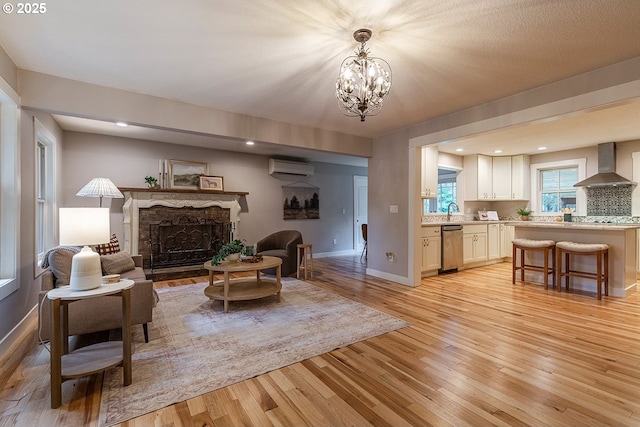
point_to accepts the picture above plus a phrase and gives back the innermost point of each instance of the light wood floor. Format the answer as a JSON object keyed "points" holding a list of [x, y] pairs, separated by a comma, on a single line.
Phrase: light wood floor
{"points": [[480, 352]]}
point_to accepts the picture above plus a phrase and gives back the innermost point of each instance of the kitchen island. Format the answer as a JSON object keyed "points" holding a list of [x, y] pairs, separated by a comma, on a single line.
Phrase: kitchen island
{"points": [[621, 239]]}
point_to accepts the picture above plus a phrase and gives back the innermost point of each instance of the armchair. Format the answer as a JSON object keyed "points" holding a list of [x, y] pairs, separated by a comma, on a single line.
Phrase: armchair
{"points": [[282, 244], [97, 314]]}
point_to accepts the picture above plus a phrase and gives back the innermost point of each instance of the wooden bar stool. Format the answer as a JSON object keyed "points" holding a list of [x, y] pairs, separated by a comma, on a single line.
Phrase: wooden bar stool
{"points": [[601, 275], [305, 259], [544, 246]]}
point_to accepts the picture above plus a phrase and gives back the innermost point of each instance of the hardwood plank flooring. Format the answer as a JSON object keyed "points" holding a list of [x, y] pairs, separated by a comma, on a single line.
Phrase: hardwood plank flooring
{"points": [[479, 352]]}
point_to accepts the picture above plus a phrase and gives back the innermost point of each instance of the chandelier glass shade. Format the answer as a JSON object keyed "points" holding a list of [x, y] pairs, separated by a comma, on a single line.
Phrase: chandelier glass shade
{"points": [[364, 81]]}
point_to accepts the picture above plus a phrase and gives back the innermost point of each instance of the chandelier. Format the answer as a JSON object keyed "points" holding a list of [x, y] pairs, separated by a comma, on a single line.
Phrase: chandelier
{"points": [[363, 82]]}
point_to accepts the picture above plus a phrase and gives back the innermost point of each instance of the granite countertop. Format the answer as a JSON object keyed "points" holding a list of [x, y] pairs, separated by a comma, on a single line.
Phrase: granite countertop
{"points": [[575, 225], [544, 224]]}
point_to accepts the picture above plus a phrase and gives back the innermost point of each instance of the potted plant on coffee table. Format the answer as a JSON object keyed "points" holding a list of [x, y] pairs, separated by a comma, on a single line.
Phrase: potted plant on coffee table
{"points": [[228, 252], [524, 213]]}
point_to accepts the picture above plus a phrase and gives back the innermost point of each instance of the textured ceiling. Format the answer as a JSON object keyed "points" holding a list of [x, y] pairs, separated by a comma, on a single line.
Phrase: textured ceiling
{"points": [[280, 59]]}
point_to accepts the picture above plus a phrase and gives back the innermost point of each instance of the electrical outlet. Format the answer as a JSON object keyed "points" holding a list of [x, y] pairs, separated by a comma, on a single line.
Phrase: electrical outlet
{"points": [[390, 256], [335, 241]]}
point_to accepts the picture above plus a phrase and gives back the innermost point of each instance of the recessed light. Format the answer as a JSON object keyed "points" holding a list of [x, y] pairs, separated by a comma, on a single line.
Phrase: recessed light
{"points": [[498, 151], [542, 148], [459, 149], [250, 142], [122, 124]]}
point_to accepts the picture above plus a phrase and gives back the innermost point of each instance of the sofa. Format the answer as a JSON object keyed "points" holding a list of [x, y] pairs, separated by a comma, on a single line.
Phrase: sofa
{"points": [[102, 313], [284, 245]]}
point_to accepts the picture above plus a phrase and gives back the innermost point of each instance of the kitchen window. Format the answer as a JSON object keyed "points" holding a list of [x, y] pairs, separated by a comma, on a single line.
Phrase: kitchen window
{"points": [[557, 191], [447, 192], [552, 186]]}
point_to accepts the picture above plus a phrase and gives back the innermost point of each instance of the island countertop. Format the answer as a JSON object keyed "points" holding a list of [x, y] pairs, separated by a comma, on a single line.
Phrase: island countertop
{"points": [[575, 225]]}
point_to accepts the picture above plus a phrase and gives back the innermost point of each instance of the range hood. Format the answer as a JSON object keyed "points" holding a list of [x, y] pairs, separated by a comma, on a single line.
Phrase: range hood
{"points": [[606, 176]]}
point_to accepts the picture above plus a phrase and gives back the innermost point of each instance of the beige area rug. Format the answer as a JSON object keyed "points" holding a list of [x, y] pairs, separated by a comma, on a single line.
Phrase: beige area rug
{"points": [[195, 348]]}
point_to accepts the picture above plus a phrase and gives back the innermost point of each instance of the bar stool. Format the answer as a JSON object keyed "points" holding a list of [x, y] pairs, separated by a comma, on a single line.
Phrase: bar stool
{"points": [[601, 275], [305, 259], [544, 246]]}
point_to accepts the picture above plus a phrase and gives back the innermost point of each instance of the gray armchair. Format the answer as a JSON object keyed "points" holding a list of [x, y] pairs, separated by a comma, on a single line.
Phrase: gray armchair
{"points": [[282, 244], [96, 314]]}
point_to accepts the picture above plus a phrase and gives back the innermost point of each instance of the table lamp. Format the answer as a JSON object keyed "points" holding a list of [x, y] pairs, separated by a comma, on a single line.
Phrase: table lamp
{"points": [[84, 226], [100, 187]]}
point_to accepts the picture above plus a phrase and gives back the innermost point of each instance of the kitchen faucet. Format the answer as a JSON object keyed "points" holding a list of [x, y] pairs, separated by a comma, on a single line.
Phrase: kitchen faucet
{"points": [[449, 210]]}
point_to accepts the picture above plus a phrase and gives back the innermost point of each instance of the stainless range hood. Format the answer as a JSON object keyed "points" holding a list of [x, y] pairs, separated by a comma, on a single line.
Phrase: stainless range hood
{"points": [[606, 176]]}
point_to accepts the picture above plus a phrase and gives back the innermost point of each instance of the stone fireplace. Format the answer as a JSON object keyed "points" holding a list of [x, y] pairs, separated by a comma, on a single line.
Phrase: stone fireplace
{"points": [[176, 231]]}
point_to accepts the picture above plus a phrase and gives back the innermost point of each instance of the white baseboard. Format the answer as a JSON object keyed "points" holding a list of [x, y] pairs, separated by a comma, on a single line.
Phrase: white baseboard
{"points": [[15, 333], [336, 253], [392, 277]]}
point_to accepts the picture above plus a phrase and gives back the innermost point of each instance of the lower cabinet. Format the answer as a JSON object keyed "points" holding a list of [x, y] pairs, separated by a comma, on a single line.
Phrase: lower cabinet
{"points": [[493, 241], [431, 241], [507, 234], [474, 243]]}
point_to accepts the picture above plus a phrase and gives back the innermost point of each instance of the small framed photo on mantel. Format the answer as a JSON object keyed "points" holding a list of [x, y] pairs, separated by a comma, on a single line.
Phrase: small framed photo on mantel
{"points": [[211, 183]]}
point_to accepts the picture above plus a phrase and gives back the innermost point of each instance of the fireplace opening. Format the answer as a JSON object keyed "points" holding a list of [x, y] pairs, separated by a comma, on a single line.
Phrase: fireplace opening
{"points": [[186, 241]]}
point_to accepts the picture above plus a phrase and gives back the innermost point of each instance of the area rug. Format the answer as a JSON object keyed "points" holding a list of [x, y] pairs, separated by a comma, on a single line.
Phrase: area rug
{"points": [[195, 348]]}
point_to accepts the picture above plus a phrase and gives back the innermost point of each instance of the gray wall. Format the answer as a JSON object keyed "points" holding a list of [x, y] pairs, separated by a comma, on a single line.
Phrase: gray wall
{"points": [[127, 161]]}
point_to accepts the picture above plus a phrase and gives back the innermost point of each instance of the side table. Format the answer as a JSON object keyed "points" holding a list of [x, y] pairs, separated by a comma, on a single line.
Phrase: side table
{"points": [[93, 358]]}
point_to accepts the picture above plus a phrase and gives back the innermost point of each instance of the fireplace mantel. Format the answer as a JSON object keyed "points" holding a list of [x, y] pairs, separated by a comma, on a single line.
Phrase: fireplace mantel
{"points": [[141, 198]]}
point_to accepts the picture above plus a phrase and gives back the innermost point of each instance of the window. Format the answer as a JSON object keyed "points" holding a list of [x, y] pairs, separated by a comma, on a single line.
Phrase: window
{"points": [[447, 192], [9, 196], [44, 191], [552, 186], [557, 191]]}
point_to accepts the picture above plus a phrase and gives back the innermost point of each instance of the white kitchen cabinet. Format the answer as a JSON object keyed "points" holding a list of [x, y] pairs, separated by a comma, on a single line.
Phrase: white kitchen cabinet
{"points": [[507, 234], [493, 241], [474, 243], [501, 178], [431, 241], [429, 173], [478, 172], [520, 177]]}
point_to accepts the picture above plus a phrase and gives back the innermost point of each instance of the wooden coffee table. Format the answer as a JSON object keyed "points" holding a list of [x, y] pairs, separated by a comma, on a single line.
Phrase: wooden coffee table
{"points": [[244, 288]]}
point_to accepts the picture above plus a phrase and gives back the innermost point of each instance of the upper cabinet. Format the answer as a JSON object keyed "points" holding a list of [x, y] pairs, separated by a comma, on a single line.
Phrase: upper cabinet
{"points": [[496, 178], [429, 176]]}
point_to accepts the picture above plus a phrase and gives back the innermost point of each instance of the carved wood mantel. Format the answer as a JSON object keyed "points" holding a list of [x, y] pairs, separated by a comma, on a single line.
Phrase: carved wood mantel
{"points": [[142, 198]]}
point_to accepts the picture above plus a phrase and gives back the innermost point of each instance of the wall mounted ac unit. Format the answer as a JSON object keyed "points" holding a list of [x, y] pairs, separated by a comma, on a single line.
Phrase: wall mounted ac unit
{"points": [[288, 167]]}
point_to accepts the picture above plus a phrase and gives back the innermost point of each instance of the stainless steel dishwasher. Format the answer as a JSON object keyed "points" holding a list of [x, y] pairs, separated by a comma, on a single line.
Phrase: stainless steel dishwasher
{"points": [[451, 247]]}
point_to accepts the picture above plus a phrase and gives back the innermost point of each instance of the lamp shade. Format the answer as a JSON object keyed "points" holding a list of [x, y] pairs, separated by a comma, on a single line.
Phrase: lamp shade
{"points": [[84, 226], [100, 187]]}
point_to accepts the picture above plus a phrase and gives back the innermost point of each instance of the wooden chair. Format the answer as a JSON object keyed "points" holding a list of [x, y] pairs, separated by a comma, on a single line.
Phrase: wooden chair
{"points": [[364, 237]]}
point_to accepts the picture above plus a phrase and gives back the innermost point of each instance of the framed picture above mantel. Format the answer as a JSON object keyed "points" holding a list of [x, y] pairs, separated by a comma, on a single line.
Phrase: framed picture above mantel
{"points": [[185, 174]]}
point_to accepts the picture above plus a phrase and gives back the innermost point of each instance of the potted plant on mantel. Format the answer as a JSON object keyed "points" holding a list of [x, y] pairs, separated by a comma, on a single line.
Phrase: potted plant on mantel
{"points": [[228, 252], [152, 182], [524, 213]]}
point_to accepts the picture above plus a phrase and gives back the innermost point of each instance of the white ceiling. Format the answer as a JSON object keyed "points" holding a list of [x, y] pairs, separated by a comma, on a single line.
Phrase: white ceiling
{"points": [[279, 59]]}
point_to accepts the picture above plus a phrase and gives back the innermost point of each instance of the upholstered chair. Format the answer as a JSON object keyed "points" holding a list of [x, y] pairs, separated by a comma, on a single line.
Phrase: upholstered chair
{"points": [[281, 244]]}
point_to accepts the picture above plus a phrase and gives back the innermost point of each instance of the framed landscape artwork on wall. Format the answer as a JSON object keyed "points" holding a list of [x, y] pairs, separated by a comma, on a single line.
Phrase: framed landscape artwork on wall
{"points": [[301, 201], [186, 174]]}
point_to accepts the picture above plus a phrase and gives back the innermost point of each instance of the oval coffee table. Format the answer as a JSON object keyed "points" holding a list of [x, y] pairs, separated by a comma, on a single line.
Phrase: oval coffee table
{"points": [[243, 288]]}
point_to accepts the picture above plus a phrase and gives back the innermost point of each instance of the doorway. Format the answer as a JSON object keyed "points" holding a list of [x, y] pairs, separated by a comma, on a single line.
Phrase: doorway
{"points": [[360, 190]]}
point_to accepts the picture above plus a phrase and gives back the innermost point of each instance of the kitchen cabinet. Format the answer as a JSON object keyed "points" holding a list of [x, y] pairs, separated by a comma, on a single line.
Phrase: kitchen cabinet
{"points": [[478, 172], [429, 173], [520, 177], [496, 178], [474, 243], [506, 236], [501, 178], [431, 241], [493, 241]]}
